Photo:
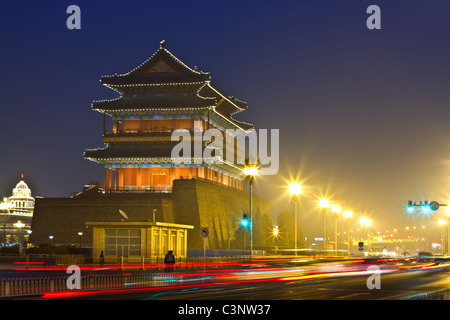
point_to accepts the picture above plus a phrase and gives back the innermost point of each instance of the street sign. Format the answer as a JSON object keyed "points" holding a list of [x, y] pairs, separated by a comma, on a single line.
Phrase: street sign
{"points": [[204, 232], [361, 246], [434, 205]]}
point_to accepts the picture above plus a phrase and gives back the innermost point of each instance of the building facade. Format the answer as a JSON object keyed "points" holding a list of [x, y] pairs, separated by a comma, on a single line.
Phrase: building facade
{"points": [[138, 239], [158, 97], [16, 213]]}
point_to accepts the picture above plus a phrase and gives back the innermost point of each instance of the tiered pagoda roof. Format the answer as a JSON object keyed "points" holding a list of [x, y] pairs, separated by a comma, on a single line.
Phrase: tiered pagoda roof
{"points": [[160, 69], [162, 85], [146, 88]]}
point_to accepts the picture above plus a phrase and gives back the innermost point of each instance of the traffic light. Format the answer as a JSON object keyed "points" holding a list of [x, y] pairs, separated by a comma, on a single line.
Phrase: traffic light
{"points": [[426, 207], [244, 220], [410, 206]]}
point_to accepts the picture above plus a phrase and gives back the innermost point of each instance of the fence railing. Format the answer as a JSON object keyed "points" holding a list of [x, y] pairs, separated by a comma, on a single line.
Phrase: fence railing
{"points": [[39, 285], [47, 259], [436, 295], [146, 272]]}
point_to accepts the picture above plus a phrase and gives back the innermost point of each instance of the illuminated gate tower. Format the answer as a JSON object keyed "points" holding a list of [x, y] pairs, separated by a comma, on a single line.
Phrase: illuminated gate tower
{"points": [[157, 97]]}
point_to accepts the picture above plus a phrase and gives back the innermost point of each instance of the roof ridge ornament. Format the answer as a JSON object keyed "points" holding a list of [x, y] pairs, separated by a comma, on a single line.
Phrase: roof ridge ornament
{"points": [[162, 44]]}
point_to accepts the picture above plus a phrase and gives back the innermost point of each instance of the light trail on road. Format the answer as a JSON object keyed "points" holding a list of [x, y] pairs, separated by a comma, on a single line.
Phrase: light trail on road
{"points": [[229, 277]]}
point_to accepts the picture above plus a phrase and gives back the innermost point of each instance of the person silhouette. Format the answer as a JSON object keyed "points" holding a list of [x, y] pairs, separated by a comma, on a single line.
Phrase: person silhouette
{"points": [[102, 258], [169, 261]]}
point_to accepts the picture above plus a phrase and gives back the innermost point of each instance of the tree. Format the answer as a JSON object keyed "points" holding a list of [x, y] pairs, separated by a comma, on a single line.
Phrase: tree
{"points": [[286, 227]]}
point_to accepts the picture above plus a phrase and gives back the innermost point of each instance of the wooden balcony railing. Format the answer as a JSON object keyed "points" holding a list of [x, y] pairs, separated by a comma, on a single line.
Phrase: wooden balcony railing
{"points": [[146, 132], [162, 189]]}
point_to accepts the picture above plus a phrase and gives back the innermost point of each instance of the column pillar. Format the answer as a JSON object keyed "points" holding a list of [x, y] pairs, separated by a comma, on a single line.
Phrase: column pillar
{"points": [[112, 179], [106, 179], [121, 178], [139, 179]]}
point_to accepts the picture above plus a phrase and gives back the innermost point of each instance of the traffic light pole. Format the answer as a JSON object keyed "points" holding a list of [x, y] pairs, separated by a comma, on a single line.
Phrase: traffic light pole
{"points": [[433, 205]]}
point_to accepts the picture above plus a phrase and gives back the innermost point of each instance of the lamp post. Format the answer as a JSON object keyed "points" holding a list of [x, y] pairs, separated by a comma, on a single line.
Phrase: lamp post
{"points": [[443, 222], [366, 222], [348, 215], [80, 234], [295, 190], [5, 205], [275, 231], [323, 203], [447, 212], [336, 209], [244, 223], [51, 238], [251, 173], [19, 225]]}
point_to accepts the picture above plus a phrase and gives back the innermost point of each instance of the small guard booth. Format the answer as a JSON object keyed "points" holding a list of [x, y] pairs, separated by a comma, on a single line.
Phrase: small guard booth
{"points": [[138, 239]]}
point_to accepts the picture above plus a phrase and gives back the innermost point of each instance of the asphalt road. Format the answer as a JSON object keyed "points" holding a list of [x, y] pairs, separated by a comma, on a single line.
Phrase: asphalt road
{"points": [[395, 286]]}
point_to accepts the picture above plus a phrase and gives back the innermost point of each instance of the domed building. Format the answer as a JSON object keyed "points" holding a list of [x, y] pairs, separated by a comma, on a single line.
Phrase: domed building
{"points": [[21, 203], [16, 213]]}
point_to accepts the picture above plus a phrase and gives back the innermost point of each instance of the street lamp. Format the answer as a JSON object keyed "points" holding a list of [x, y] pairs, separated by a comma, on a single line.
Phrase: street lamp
{"points": [[5, 205], [275, 231], [19, 225], [335, 208], [442, 223], [366, 222], [51, 238], [323, 203], [251, 173], [295, 190], [80, 234], [447, 212], [348, 215]]}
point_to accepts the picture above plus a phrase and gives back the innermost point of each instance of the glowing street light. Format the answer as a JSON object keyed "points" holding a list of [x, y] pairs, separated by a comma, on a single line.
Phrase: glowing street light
{"points": [[51, 238], [335, 208], [19, 225], [251, 171], [80, 234], [364, 221], [324, 203], [295, 190], [275, 231]]}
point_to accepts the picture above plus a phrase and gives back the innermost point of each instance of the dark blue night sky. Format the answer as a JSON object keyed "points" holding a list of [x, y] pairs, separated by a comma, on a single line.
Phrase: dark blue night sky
{"points": [[363, 114]]}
